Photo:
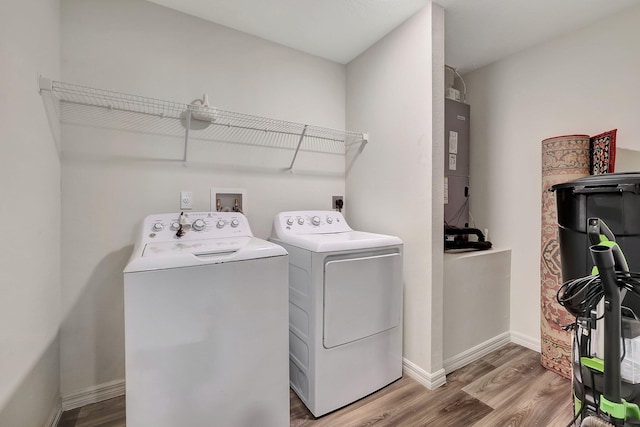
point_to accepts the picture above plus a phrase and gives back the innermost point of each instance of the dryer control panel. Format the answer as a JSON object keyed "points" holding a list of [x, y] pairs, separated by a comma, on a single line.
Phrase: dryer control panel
{"points": [[194, 226], [310, 222]]}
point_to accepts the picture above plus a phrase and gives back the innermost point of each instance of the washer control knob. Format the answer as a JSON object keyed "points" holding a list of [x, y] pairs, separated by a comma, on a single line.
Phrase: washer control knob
{"points": [[315, 220], [301, 221], [157, 227], [290, 221], [199, 224], [235, 223], [329, 220], [220, 223], [175, 225]]}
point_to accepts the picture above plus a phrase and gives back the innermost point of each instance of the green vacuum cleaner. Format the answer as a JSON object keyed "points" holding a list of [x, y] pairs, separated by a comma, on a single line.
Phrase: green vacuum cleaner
{"points": [[606, 351]]}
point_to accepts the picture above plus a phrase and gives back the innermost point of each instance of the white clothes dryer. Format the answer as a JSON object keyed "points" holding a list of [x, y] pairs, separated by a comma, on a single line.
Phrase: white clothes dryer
{"points": [[345, 308], [205, 324]]}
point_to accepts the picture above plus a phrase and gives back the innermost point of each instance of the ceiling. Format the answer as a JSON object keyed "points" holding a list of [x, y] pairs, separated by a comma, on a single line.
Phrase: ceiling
{"points": [[477, 33]]}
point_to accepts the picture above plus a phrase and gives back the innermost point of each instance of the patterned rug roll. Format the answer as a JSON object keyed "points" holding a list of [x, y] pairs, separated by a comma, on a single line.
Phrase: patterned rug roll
{"points": [[564, 158]]}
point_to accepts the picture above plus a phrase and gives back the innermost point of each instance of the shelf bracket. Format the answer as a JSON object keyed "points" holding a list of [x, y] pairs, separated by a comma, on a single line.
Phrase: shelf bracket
{"points": [[304, 131], [44, 84], [186, 133]]}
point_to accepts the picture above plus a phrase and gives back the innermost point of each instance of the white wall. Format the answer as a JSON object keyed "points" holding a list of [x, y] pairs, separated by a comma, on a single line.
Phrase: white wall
{"points": [[585, 82], [627, 160], [476, 304], [30, 207], [395, 185], [112, 179]]}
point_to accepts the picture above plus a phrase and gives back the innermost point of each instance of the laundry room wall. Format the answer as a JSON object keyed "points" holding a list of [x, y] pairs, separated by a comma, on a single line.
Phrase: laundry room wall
{"points": [[627, 160], [30, 207], [396, 185], [111, 179], [585, 82]]}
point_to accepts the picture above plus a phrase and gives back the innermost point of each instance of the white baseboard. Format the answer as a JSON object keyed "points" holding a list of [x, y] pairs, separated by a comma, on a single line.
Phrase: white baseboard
{"points": [[430, 381], [93, 394], [526, 341], [55, 415], [438, 378], [463, 359]]}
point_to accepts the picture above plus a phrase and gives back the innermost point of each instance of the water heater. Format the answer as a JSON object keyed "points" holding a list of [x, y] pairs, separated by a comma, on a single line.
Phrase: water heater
{"points": [[456, 163]]}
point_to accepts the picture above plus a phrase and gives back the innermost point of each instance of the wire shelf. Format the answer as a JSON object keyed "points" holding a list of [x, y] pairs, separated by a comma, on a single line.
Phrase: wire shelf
{"points": [[88, 106]]}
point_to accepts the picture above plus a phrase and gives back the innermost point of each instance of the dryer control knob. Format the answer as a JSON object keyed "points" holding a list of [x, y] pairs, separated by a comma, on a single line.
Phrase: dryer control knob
{"points": [[157, 227], [290, 221], [175, 225], [329, 220], [301, 221], [199, 224], [235, 223], [315, 220], [220, 223]]}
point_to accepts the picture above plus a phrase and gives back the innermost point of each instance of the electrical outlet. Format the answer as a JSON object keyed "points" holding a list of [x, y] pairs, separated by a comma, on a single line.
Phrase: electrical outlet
{"points": [[337, 203], [186, 200]]}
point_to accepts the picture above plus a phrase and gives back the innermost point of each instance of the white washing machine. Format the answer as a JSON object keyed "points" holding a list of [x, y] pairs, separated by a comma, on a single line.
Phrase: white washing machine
{"points": [[345, 308], [205, 324]]}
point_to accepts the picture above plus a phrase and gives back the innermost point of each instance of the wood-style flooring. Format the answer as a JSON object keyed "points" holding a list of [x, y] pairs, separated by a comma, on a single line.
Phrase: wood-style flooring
{"points": [[507, 388]]}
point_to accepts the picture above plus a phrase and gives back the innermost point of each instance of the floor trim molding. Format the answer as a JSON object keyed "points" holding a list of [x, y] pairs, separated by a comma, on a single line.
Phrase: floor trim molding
{"points": [[526, 341], [429, 380], [93, 394], [474, 353], [56, 413]]}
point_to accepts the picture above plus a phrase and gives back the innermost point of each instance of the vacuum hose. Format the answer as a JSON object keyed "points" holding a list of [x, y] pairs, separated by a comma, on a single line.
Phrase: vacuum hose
{"points": [[595, 422]]}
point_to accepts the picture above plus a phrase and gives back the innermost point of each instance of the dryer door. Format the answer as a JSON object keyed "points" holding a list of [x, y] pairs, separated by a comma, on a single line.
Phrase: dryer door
{"points": [[362, 297]]}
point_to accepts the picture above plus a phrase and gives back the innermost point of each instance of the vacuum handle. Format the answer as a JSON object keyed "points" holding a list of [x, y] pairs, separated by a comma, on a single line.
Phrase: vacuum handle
{"points": [[603, 259], [596, 228]]}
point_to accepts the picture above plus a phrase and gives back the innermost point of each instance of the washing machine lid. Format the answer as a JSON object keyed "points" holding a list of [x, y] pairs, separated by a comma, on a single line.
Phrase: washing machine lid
{"points": [[166, 255], [324, 231], [208, 238], [195, 247]]}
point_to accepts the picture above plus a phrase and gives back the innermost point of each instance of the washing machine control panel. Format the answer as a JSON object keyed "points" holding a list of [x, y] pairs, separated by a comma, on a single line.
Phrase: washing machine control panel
{"points": [[195, 226], [310, 222]]}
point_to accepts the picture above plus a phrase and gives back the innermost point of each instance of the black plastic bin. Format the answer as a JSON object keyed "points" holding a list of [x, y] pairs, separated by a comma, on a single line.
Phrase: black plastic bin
{"points": [[614, 198]]}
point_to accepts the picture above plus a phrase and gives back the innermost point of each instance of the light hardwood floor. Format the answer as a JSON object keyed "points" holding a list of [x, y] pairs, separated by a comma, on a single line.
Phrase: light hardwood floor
{"points": [[507, 388]]}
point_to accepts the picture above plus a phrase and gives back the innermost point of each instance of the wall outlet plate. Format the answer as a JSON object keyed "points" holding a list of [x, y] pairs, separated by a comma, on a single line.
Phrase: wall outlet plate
{"points": [[186, 200]]}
